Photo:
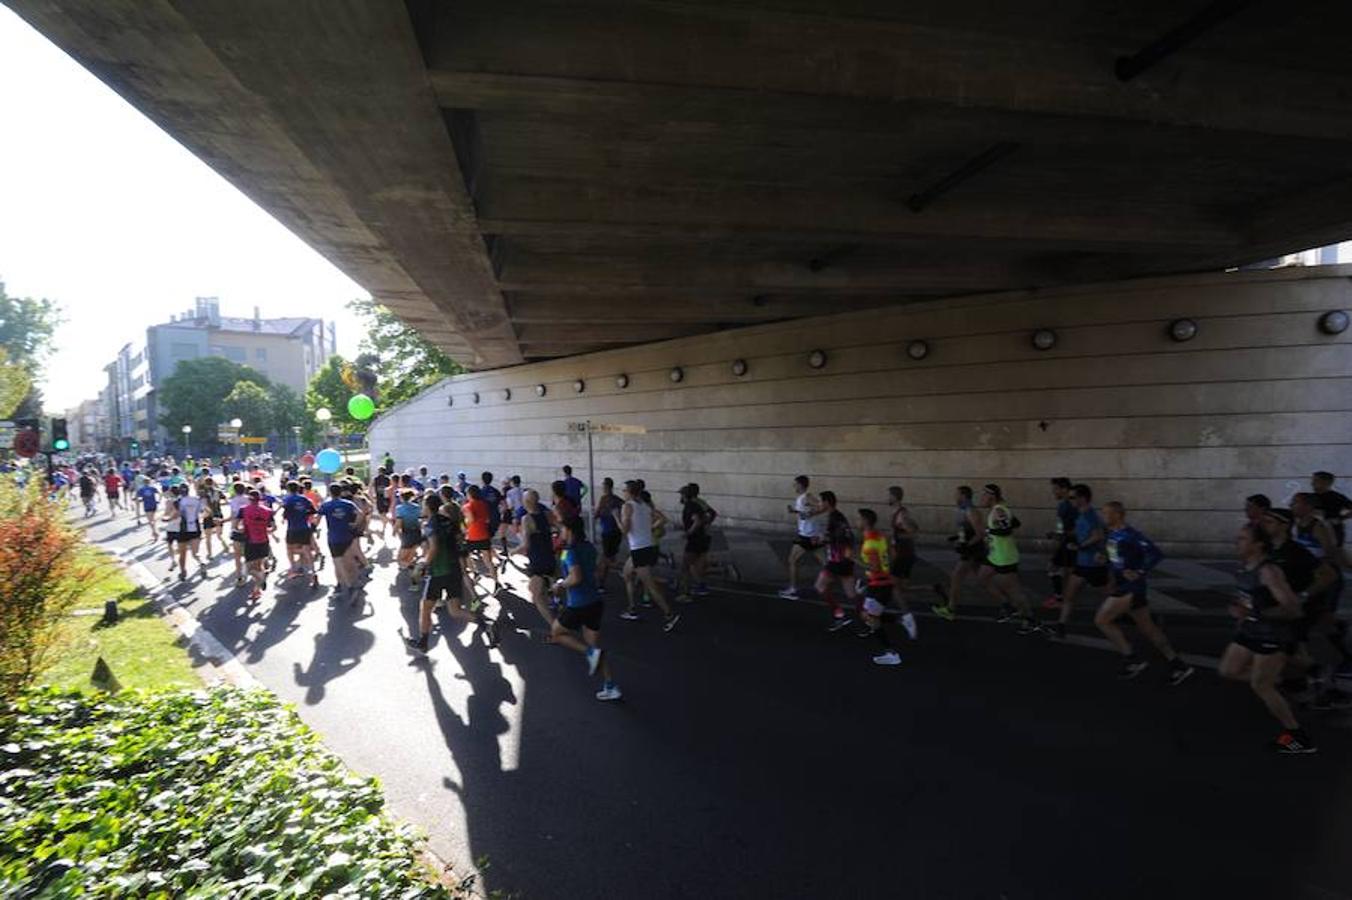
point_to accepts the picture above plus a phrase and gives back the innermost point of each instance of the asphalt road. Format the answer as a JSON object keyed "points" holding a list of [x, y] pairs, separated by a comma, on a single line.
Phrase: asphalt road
{"points": [[757, 755]]}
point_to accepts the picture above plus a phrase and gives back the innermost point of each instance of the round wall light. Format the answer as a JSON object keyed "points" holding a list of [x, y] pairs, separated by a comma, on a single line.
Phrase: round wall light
{"points": [[450, 400], [506, 393], [1044, 339], [676, 374], [739, 367], [579, 386], [917, 349], [816, 359], [1182, 330], [621, 381], [541, 390], [475, 395], [1333, 322]]}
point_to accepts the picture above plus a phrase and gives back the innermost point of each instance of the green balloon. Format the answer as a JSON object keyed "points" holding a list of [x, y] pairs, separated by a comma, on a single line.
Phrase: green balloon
{"points": [[361, 407]]}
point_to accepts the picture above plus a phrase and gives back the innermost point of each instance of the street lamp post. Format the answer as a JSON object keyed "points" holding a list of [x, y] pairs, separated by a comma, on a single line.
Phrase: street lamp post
{"points": [[237, 424], [187, 430]]}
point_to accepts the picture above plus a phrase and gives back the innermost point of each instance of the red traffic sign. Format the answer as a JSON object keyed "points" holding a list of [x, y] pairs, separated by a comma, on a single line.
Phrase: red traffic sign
{"points": [[26, 443]]}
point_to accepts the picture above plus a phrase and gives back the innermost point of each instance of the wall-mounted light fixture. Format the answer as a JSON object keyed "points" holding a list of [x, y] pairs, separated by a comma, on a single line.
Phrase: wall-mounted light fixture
{"points": [[475, 395], [1043, 339], [1333, 322], [676, 374], [541, 390], [506, 393], [739, 367], [621, 381], [579, 386], [816, 359], [917, 349], [1182, 330], [450, 400]]}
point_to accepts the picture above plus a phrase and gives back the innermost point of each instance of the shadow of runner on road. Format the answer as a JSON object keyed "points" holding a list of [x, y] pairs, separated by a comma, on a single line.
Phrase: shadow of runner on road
{"points": [[337, 649]]}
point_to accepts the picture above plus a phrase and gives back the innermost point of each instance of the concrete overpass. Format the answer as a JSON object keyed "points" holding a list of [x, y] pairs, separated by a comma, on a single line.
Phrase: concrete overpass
{"points": [[601, 205], [523, 179]]}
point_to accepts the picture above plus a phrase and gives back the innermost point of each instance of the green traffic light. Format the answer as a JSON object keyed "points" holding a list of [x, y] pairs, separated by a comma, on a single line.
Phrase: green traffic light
{"points": [[60, 444]]}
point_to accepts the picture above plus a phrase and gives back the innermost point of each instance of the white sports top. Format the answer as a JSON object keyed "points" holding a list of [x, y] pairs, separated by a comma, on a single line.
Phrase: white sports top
{"points": [[189, 510], [640, 525], [807, 526]]}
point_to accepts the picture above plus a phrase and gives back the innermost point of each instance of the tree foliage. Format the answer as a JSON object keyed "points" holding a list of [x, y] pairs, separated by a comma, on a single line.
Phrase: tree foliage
{"points": [[404, 360], [26, 330], [15, 384], [249, 402], [288, 410], [328, 390], [195, 394]]}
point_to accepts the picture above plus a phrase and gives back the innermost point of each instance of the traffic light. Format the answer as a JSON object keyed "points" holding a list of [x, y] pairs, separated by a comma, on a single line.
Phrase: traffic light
{"points": [[60, 440], [135, 447]]}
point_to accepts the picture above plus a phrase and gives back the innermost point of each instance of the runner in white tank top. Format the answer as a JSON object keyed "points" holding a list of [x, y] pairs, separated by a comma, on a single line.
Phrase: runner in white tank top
{"points": [[636, 521]]}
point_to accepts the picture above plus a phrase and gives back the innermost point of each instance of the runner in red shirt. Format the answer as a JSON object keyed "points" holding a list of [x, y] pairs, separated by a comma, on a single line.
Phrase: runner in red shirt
{"points": [[112, 484], [479, 535], [258, 528]]}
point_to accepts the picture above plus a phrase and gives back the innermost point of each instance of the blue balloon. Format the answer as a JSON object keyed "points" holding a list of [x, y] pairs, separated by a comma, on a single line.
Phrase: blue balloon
{"points": [[328, 461]]}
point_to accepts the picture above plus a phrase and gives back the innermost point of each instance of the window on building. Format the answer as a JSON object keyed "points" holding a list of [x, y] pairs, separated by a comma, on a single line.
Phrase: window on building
{"points": [[261, 354], [235, 354], [179, 350]]}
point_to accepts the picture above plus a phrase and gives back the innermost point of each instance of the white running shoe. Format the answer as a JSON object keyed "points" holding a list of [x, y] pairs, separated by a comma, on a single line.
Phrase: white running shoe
{"points": [[890, 658], [908, 622], [608, 693], [789, 593]]}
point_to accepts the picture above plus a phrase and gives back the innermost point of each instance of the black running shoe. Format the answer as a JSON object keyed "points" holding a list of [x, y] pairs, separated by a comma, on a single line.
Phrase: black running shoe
{"points": [[1131, 668], [1006, 613], [416, 645], [1056, 630], [1293, 743], [1030, 626]]}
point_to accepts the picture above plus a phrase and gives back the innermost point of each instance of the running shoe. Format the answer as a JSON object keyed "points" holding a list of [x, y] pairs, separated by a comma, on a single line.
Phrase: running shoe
{"points": [[1179, 674], [609, 692], [670, 621], [1131, 668], [684, 598], [1006, 613], [417, 646], [908, 622], [645, 601], [1294, 742], [630, 616], [1029, 626], [943, 611], [1052, 602], [593, 660], [182, 576], [839, 623], [890, 658], [789, 593], [863, 632]]}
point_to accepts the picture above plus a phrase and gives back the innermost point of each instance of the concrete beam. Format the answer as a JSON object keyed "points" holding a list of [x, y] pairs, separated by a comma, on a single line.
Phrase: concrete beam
{"points": [[323, 117], [759, 51]]}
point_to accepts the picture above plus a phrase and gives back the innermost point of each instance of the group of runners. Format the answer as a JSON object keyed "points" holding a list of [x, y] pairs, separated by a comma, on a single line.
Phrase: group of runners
{"points": [[1288, 583], [455, 535]]}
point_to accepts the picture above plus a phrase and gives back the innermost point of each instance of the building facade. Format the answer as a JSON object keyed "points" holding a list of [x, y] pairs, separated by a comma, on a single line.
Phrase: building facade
{"points": [[288, 351]]}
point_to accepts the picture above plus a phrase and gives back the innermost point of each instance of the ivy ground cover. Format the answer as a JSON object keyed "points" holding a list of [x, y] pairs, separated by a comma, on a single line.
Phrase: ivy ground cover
{"points": [[204, 794]]}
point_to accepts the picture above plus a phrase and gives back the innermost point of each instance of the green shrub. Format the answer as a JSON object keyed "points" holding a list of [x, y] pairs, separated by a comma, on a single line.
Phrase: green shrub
{"points": [[211, 794], [42, 576]]}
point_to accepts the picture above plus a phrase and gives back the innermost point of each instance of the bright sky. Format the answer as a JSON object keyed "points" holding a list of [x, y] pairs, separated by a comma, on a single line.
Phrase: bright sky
{"points": [[107, 215]]}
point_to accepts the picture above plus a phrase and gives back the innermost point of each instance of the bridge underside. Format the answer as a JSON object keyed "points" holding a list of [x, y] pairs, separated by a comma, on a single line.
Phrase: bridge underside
{"points": [[531, 179]]}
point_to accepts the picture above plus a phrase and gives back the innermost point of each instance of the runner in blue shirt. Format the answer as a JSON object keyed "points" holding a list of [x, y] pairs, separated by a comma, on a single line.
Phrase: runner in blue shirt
{"points": [[1131, 555], [582, 609], [573, 488], [1085, 552], [149, 497], [299, 514], [341, 516]]}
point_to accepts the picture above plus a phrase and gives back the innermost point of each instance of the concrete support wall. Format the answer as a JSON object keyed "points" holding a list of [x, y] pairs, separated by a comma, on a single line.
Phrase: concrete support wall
{"points": [[1180, 432]]}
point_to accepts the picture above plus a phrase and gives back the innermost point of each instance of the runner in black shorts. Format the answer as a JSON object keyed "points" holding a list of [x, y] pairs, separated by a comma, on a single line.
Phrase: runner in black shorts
{"points": [[904, 533], [969, 542], [538, 545], [582, 606], [607, 524], [839, 567], [1131, 556], [1062, 561], [445, 575], [1085, 544], [1267, 609]]}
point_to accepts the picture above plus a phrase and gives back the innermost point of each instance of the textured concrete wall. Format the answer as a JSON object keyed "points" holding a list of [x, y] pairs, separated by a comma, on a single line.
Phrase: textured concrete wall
{"points": [[1180, 432]]}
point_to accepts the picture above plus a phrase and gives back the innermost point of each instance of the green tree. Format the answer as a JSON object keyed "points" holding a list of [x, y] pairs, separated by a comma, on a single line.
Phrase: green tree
{"points": [[195, 394], [328, 390], [26, 329], [249, 402], [405, 360], [288, 410], [14, 385]]}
